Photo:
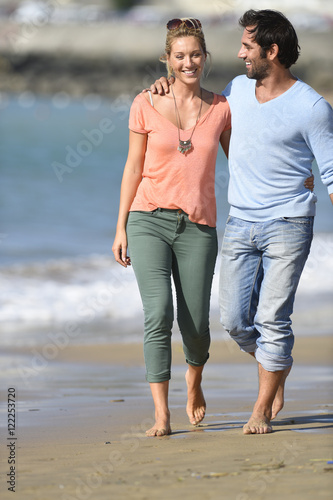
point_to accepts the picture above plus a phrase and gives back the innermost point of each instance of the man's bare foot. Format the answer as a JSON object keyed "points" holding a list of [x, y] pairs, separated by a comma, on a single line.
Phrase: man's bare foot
{"points": [[258, 424], [196, 404], [279, 396], [161, 426]]}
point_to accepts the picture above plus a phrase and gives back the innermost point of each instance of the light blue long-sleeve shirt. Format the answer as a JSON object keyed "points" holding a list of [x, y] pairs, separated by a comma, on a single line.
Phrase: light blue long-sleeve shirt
{"points": [[272, 148]]}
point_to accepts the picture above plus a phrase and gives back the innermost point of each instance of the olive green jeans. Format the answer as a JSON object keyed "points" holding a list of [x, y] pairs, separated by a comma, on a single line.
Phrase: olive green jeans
{"points": [[165, 243]]}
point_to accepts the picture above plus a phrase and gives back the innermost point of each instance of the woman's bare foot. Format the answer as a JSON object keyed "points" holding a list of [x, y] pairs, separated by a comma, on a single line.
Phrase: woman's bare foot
{"points": [[161, 426], [160, 392], [196, 404], [279, 396]]}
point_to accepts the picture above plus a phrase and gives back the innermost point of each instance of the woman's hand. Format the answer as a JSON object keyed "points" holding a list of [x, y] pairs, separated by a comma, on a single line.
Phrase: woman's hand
{"points": [[309, 182], [119, 249], [132, 177]]}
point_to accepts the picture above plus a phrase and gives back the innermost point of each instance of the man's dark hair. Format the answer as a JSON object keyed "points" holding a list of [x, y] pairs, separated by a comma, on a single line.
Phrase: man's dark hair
{"points": [[271, 26]]}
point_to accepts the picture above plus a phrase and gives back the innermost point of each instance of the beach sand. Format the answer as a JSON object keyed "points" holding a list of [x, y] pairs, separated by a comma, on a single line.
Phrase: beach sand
{"points": [[81, 418]]}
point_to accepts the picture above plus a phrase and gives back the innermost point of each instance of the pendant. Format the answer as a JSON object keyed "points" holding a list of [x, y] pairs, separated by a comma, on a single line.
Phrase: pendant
{"points": [[184, 146]]}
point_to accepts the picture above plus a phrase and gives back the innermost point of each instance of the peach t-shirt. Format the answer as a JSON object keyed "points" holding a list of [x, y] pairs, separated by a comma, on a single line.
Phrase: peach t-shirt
{"points": [[174, 180]]}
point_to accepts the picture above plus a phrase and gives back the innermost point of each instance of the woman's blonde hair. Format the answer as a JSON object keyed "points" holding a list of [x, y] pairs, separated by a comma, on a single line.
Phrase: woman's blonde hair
{"points": [[180, 32]]}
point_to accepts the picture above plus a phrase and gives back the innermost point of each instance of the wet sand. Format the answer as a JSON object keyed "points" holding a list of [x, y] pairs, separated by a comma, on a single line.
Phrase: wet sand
{"points": [[81, 418]]}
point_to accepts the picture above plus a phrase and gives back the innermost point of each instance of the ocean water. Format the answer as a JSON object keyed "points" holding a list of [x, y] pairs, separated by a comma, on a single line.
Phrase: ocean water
{"points": [[61, 163]]}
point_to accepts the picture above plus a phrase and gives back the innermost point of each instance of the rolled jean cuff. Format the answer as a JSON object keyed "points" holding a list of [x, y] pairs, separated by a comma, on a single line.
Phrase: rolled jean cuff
{"points": [[248, 348], [272, 362]]}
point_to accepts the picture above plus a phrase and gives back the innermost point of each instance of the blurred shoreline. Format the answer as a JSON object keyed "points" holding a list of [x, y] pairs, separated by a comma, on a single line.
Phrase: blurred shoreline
{"points": [[116, 58]]}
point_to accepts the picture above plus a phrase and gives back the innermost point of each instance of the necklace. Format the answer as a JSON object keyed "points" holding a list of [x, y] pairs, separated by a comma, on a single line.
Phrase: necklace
{"points": [[185, 146]]}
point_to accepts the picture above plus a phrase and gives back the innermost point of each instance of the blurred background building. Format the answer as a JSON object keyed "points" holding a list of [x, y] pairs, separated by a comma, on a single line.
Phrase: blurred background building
{"points": [[112, 46]]}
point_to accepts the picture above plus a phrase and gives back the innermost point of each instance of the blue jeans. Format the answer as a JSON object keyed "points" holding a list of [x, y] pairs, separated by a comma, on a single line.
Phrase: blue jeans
{"points": [[261, 264], [165, 244]]}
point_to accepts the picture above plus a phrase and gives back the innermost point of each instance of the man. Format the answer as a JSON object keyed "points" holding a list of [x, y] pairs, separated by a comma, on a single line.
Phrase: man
{"points": [[279, 125]]}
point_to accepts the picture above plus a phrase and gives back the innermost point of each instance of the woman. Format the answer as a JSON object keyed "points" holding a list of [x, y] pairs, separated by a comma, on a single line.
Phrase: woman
{"points": [[167, 214]]}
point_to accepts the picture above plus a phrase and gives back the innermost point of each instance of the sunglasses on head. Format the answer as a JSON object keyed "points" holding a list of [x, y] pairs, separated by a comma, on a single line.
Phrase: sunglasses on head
{"points": [[193, 24]]}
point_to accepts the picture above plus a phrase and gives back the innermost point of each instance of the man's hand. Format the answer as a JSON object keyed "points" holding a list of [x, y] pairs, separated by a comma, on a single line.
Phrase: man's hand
{"points": [[162, 86]]}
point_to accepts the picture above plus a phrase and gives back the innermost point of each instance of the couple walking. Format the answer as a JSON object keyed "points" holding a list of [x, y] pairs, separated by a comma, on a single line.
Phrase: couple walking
{"points": [[271, 126]]}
